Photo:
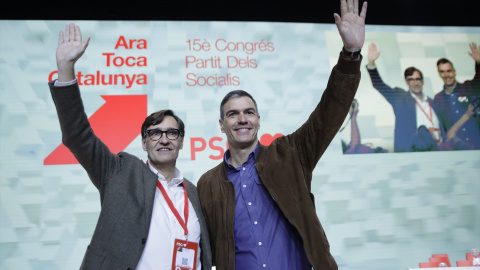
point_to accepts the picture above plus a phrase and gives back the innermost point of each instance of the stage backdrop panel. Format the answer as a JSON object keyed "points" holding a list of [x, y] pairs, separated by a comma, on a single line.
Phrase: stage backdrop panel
{"points": [[380, 211]]}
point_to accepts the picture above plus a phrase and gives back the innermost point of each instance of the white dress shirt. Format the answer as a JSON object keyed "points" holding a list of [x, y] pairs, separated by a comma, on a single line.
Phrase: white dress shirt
{"points": [[164, 227], [426, 116]]}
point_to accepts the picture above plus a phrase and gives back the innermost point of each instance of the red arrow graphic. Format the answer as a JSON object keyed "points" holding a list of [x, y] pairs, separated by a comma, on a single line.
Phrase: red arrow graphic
{"points": [[116, 123]]}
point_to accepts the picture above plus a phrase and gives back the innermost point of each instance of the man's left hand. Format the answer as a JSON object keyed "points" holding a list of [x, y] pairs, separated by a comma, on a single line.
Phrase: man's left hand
{"points": [[351, 24]]}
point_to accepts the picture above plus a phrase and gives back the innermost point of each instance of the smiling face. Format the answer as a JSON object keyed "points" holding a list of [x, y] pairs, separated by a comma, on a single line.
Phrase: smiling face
{"points": [[163, 152], [240, 122], [415, 83], [447, 73]]}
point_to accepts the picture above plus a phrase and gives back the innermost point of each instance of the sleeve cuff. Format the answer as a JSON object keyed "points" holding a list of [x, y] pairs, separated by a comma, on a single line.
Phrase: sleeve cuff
{"points": [[59, 84], [347, 65]]}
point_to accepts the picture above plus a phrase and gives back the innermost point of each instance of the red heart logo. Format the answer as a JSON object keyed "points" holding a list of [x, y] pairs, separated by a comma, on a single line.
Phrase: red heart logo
{"points": [[267, 139]]}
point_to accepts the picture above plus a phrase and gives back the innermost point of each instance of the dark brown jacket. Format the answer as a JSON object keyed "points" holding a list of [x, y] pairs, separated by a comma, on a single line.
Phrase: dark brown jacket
{"points": [[285, 169]]}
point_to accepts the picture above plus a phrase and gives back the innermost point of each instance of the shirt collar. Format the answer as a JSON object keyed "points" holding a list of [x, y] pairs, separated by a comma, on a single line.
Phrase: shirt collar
{"points": [[251, 156], [424, 99], [176, 180], [453, 91]]}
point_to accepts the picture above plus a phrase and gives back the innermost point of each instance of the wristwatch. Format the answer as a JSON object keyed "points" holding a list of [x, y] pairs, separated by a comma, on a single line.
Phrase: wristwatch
{"points": [[352, 55]]}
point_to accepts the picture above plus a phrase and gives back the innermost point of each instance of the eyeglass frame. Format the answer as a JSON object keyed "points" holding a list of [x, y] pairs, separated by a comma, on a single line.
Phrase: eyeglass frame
{"points": [[162, 132], [414, 79]]}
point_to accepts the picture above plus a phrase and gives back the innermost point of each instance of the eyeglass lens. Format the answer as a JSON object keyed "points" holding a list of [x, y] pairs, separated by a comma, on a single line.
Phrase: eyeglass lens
{"points": [[156, 134]]}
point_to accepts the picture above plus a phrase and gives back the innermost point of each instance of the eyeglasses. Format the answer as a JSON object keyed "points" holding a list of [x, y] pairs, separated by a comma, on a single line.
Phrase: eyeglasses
{"points": [[415, 79], [156, 134]]}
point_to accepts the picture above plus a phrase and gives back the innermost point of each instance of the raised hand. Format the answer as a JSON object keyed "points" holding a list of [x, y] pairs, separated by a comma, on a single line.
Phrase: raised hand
{"points": [[355, 107], [70, 49], [373, 54], [351, 24], [475, 52]]}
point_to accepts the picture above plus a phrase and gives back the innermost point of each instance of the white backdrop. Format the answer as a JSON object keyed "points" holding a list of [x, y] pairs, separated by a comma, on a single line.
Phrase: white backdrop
{"points": [[379, 211]]}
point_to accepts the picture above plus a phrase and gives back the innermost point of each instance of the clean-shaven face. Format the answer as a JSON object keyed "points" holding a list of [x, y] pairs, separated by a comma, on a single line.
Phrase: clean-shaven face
{"points": [[164, 151], [447, 73], [241, 122]]}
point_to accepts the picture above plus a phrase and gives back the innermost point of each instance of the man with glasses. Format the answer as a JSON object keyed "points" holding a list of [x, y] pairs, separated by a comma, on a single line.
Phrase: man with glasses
{"points": [[150, 216], [412, 108]]}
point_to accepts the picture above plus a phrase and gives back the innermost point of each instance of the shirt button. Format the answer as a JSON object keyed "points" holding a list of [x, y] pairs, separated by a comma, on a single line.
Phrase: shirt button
{"points": [[259, 243], [456, 111], [255, 222], [244, 185], [264, 265], [243, 168], [249, 203]]}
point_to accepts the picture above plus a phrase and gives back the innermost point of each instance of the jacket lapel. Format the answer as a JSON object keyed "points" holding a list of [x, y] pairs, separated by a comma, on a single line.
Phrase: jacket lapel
{"points": [[150, 186]]}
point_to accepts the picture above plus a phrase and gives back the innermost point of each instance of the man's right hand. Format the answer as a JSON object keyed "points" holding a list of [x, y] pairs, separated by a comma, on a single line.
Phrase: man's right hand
{"points": [[70, 49], [373, 54], [475, 52]]}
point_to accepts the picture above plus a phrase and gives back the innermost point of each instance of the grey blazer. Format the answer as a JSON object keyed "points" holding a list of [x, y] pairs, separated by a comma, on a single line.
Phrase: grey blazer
{"points": [[126, 185]]}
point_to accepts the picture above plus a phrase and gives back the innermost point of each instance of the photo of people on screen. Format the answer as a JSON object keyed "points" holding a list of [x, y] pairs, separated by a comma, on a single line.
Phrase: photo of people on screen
{"points": [[443, 121]]}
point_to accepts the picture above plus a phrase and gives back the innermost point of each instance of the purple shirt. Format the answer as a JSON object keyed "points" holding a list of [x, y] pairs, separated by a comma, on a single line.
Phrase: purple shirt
{"points": [[264, 238]]}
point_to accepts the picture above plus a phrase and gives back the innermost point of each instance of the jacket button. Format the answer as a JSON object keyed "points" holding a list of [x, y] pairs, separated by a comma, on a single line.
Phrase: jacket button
{"points": [[144, 240]]}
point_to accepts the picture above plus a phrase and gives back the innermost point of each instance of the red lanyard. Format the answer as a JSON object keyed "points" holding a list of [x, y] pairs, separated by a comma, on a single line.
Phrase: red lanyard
{"points": [[430, 118], [172, 207], [174, 210]]}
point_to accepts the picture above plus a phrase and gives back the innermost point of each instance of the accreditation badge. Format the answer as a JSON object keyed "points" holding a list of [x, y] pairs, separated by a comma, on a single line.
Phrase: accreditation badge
{"points": [[184, 255]]}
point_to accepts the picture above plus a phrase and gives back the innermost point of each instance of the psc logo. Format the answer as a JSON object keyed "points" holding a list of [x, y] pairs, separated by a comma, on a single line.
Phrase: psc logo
{"points": [[198, 144]]}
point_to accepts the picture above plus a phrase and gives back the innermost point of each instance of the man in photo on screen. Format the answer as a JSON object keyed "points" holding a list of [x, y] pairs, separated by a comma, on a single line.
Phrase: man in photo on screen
{"points": [[356, 146], [258, 203], [412, 108], [147, 208], [454, 100]]}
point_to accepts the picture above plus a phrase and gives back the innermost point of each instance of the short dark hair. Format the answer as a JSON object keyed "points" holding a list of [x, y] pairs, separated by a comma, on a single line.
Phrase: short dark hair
{"points": [[157, 118], [442, 61], [235, 94], [409, 72]]}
